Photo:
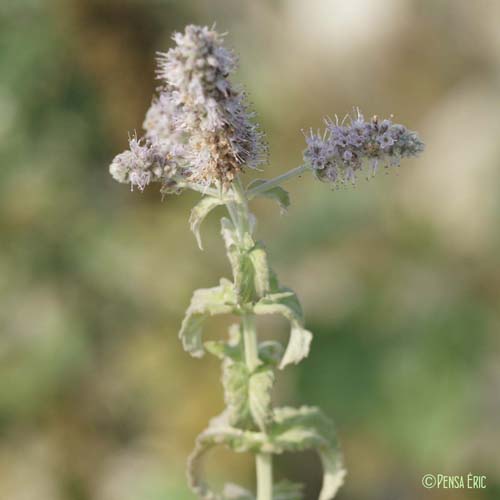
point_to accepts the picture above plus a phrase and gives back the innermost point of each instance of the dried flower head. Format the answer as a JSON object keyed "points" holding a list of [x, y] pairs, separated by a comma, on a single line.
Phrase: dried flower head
{"points": [[199, 121], [342, 150]]}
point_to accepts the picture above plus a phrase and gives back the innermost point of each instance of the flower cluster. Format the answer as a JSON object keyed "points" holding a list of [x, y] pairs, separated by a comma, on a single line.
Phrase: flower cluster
{"points": [[337, 154], [198, 129], [145, 162]]}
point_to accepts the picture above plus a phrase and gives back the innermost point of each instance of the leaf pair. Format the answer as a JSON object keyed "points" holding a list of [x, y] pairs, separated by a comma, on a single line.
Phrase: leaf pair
{"points": [[251, 273], [208, 203], [223, 299], [247, 395], [291, 430]]}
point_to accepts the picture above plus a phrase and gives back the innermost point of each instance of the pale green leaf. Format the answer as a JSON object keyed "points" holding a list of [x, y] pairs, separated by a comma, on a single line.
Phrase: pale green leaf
{"points": [[283, 302], [292, 430], [333, 472], [235, 379], [258, 257], [219, 432], [286, 303], [298, 345], [198, 214], [241, 264], [259, 395], [308, 428], [247, 395], [205, 302], [276, 193]]}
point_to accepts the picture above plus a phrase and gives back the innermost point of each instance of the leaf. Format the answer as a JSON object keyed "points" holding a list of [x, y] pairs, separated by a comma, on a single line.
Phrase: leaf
{"points": [[291, 430], [198, 214], [219, 432], [276, 193], [286, 303], [247, 395], [259, 395], [258, 257], [205, 302], [283, 302], [235, 379], [252, 276], [241, 264], [308, 428], [286, 490], [298, 345], [333, 473]]}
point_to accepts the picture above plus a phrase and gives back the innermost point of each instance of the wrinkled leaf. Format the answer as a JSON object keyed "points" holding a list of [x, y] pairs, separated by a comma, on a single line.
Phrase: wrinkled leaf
{"points": [[198, 214], [276, 193], [258, 257], [235, 379], [293, 429], [252, 276], [308, 428], [298, 345], [241, 264], [219, 432], [204, 303], [247, 395], [285, 302], [259, 396]]}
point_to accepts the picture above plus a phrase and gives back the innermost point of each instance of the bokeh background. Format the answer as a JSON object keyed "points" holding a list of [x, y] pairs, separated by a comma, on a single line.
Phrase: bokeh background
{"points": [[400, 277]]}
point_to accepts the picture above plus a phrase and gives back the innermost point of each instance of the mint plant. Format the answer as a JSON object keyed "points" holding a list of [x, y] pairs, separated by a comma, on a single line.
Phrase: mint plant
{"points": [[200, 135]]}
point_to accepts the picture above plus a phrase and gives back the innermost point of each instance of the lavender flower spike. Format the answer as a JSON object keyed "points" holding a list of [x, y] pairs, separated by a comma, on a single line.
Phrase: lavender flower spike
{"points": [[342, 150], [221, 137], [198, 129]]}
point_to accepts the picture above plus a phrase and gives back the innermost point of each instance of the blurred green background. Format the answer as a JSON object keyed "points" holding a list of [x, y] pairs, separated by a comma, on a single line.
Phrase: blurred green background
{"points": [[400, 277]]}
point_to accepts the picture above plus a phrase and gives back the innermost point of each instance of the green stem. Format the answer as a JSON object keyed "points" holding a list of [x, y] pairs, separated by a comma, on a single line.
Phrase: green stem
{"points": [[242, 205], [264, 463], [261, 188], [240, 215], [250, 342]]}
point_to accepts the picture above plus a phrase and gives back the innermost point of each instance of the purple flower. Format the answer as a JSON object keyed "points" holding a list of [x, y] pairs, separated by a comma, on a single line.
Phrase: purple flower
{"points": [[385, 140], [344, 149], [347, 156], [200, 121]]}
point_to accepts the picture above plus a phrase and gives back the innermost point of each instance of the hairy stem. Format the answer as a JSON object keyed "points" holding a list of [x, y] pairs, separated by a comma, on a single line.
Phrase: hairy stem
{"points": [[240, 215], [261, 188]]}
